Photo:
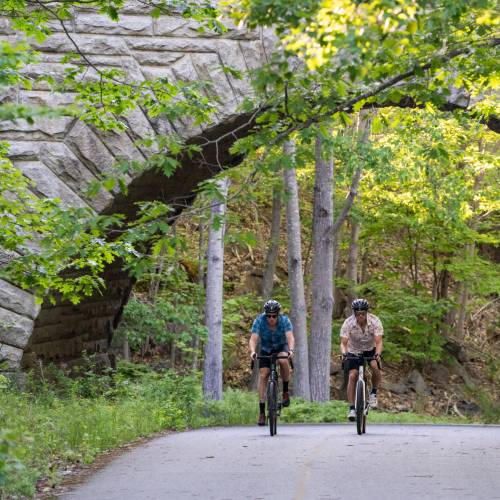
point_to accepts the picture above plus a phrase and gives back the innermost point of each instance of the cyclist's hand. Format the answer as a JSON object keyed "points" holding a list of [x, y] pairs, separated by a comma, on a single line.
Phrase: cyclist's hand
{"points": [[343, 356], [377, 356], [253, 356]]}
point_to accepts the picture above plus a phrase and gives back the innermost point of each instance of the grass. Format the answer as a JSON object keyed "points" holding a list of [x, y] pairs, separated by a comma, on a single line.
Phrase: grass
{"points": [[73, 420]]}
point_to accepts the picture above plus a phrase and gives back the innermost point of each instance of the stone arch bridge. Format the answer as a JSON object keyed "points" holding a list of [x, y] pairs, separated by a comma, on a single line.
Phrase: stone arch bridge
{"points": [[62, 156]]}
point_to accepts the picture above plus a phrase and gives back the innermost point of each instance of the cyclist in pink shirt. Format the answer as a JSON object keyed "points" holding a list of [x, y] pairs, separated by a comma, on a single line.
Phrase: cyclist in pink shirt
{"points": [[361, 334]]}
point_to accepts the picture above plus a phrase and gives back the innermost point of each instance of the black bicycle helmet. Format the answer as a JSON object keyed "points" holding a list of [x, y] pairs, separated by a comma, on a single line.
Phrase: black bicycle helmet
{"points": [[272, 306], [360, 305]]}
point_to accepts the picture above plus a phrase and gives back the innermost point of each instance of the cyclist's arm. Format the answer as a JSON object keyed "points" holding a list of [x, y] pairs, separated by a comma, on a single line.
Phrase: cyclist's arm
{"points": [[378, 344], [252, 344], [343, 345], [290, 340]]}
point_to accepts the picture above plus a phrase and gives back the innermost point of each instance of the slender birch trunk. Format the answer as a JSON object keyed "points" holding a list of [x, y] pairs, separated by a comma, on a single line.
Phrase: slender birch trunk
{"points": [[126, 349], [296, 281], [201, 270], [270, 268], [463, 296], [272, 252], [322, 271], [469, 251], [363, 128], [212, 369], [154, 288], [352, 264]]}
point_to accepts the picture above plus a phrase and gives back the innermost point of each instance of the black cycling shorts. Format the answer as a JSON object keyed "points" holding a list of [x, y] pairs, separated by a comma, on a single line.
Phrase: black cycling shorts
{"points": [[266, 362], [355, 363]]}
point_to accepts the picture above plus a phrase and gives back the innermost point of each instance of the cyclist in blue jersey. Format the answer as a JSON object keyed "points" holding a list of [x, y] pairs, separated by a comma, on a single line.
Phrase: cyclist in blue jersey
{"points": [[276, 336]]}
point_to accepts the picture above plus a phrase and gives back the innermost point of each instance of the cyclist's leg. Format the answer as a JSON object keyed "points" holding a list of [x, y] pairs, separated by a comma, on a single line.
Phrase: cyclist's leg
{"points": [[263, 376], [285, 376], [376, 374], [351, 391], [351, 385], [284, 367], [374, 379]]}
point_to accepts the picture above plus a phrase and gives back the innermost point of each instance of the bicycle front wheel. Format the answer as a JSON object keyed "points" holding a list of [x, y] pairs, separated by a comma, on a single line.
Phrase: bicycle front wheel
{"points": [[272, 405], [360, 408]]}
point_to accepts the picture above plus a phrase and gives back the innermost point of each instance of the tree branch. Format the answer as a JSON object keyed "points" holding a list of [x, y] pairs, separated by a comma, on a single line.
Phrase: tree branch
{"points": [[347, 106], [353, 191]]}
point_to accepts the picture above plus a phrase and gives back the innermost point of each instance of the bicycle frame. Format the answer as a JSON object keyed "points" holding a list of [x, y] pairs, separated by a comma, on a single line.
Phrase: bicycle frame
{"points": [[361, 381], [361, 396], [274, 404]]}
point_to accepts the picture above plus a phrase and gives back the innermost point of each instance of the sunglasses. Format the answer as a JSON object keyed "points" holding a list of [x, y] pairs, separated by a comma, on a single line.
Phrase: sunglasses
{"points": [[271, 316], [360, 313]]}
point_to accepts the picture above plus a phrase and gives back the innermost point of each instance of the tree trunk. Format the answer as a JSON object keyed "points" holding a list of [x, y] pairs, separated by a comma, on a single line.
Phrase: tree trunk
{"points": [[296, 281], [201, 270], [351, 273], [322, 271], [272, 252], [352, 260], [463, 296], [364, 267], [363, 127], [154, 287], [444, 284], [337, 304], [469, 254], [173, 348], [126, 349], [212, 369]]}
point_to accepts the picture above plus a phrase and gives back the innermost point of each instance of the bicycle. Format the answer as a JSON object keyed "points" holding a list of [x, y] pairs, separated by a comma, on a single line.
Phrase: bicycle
{"points": [[361, 395], [274, 403]]}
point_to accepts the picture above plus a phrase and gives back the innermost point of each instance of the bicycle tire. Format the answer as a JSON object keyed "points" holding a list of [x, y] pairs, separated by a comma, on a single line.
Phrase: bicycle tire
{"points": [[275, 424], [360, 407], [272, 404], [364, 423]]}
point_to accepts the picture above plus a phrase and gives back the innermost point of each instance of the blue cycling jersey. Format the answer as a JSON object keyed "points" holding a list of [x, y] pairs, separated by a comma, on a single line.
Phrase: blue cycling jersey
{"points": [[271, 340]]}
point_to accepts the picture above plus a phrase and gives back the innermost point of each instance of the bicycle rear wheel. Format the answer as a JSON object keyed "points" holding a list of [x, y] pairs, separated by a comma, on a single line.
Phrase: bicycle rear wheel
{"points": [[272, 405], [360, 407]]}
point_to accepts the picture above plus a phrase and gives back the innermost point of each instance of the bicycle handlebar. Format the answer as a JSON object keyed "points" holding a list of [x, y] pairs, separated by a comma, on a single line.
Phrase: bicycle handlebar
{"points": [[271, 356], [350, 355]]}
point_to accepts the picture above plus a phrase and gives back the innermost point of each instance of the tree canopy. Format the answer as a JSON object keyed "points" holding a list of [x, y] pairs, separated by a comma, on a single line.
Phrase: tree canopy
{"points": [[333, 58]]}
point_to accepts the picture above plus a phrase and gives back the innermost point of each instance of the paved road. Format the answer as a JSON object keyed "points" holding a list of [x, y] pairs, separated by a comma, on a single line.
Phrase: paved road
{"points": [[323, 462]]}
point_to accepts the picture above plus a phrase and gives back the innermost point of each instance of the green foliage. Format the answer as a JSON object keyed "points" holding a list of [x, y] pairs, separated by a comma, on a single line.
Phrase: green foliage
{"points": [[303, 411], [489, 404], [10, 466], [166, 320], [53, 422], [411, 322], [358, 55], [70, 249], [236, 311]]}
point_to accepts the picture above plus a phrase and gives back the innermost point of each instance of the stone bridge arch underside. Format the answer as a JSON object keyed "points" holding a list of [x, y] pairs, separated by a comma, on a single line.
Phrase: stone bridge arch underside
{"points": [[62, 156]]}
